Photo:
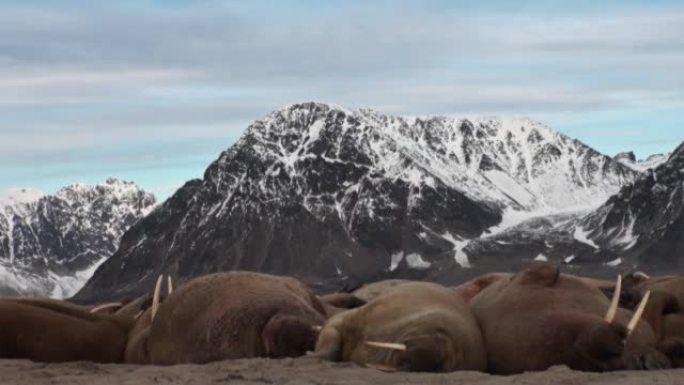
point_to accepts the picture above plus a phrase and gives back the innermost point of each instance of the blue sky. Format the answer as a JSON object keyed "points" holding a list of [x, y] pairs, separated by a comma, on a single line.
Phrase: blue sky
{"points": [[153, 91]]}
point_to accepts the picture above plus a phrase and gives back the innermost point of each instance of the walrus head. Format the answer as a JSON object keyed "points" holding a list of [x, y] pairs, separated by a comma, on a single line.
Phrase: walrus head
{"points": [[288, 336], [601, 346]]}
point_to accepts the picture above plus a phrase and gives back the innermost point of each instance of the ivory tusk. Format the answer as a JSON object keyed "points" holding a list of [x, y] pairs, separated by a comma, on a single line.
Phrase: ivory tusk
{"points": [[642, 275], [386, 345], [106, 306], [169, 285], [612, 310], [155, 296], [639, 312]]}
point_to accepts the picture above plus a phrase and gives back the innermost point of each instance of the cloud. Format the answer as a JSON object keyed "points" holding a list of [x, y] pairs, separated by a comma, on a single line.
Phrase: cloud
{"points": [[76, 76], [79, 79], [41, 88]]}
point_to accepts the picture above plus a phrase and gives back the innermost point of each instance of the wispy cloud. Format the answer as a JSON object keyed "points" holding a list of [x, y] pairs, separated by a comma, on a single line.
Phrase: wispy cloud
{"points": [[77, 75]]}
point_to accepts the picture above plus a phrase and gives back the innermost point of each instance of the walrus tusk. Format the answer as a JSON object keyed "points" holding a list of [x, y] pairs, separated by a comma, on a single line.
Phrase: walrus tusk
{"points": [[317, 328], [155, 296], [642, 275], [612, 310], [106, 306], [386, 345], [169, 285], [639, 312]]}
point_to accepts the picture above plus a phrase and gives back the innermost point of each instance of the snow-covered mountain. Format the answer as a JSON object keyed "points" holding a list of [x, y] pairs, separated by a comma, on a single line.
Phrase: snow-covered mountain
{"points": [[643, 165], [645, 220], [327, 193], [640, 227], [51, 244]]}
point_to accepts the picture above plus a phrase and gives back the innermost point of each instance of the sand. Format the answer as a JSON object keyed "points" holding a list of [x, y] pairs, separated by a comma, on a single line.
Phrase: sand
{"points": [[305, 371]]}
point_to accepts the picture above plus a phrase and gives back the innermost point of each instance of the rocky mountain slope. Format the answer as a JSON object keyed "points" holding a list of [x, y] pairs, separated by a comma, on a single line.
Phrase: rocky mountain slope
{"points": [[325, 193], [51, 244], [640, 227], [645, 220]]}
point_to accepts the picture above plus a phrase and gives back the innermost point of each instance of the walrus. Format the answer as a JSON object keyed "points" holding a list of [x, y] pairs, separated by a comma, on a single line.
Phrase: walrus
{"points": [[232, 315], [339, 302], [373, 290], [665, 311], [469, 289], [143, 309], [538, 318], [54, 331], [414, 326]]}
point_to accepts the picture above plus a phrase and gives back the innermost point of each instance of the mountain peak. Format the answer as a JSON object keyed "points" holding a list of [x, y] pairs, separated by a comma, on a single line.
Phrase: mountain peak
{"points": [[626, 156], [320, 192]]}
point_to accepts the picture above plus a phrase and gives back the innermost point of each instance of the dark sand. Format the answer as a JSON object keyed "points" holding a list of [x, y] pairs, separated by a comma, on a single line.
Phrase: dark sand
{"points": [[307, 371]]}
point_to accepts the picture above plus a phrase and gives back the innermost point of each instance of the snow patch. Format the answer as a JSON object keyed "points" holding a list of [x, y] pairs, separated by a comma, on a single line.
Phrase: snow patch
{"points": [[581, 235], [541, 257], [460, 256], [511, 188], [416, 261], [614, 262], [396, 260]]}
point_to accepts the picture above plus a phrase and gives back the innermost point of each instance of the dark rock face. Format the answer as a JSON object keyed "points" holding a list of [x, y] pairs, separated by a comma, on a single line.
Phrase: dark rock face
{"points": [[330, 195], [51, 245]]}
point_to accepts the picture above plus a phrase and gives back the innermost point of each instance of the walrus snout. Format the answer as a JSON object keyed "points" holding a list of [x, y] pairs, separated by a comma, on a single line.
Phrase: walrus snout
{"points": [[600, 347], [289, 336], [429, 353]]}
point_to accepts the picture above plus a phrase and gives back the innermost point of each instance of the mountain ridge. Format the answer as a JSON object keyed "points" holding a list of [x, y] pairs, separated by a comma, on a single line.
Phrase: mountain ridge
{"points": [[328, 194], [50, 244]]}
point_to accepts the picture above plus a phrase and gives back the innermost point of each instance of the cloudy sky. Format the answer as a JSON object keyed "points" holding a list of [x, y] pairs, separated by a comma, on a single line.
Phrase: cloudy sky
{"points": [[153, 91]]}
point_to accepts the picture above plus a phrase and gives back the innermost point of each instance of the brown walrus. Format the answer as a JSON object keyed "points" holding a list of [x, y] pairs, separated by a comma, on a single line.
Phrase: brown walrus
{"points": [[413, 327], [233, 315], [538, 318], [55, 331]]}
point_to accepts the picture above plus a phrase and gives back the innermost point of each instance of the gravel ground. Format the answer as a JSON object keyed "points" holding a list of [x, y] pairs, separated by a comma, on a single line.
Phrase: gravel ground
{"points": [[305, 371]]}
